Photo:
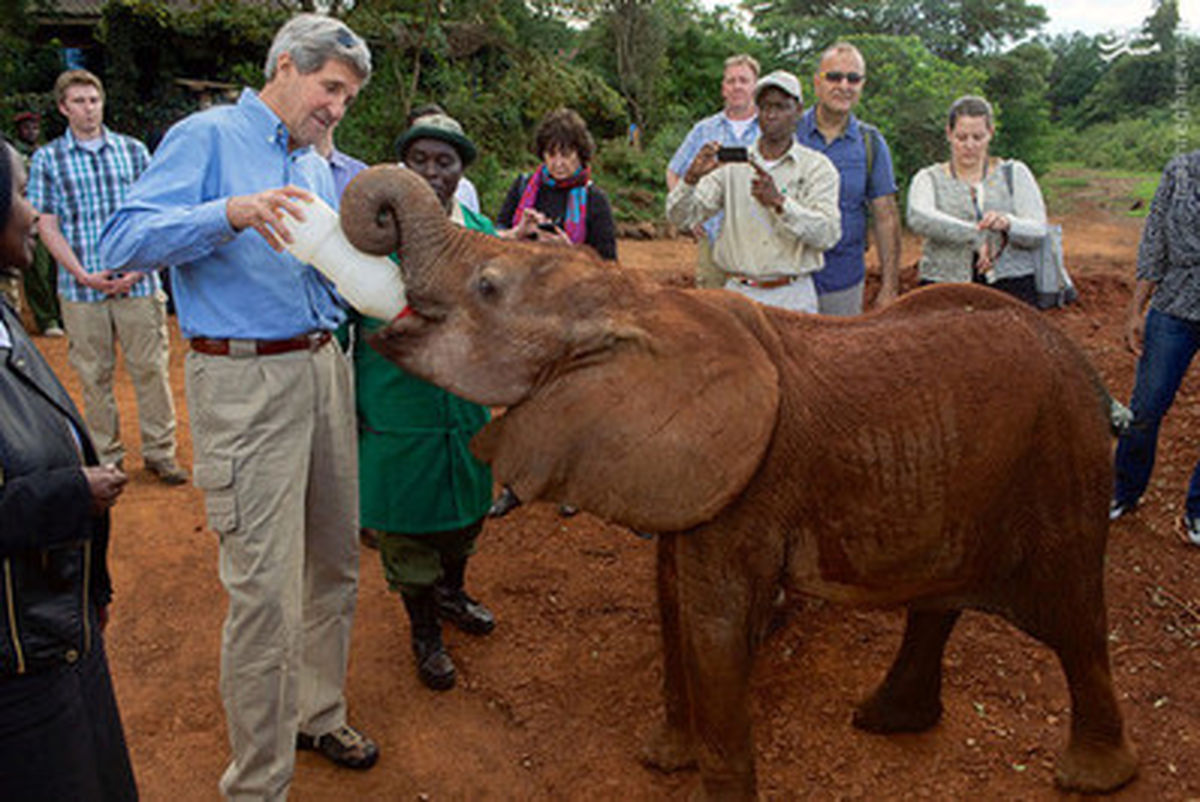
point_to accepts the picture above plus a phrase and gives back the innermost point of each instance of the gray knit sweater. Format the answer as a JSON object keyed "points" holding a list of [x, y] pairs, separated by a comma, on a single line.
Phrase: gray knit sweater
{"points": [[940, 209]]}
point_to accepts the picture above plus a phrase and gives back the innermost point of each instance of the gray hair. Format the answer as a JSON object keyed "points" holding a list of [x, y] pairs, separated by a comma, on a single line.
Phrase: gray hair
{"points": [[841, 46], [969, 106], [313, 39]]}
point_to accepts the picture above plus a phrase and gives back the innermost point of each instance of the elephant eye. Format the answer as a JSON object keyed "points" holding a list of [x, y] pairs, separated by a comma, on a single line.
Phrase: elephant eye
{"points": [[486, 288]]}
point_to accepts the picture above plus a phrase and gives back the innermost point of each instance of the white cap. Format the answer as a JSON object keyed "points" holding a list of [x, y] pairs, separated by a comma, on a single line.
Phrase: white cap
{"points": [[780, 79]]}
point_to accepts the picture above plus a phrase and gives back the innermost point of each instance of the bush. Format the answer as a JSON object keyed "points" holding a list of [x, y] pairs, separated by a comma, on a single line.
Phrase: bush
{"points": [[1145, 143]]}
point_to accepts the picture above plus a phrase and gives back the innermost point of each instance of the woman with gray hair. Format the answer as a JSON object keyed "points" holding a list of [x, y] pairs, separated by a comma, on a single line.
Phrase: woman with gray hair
{"points": [[982, 217]]}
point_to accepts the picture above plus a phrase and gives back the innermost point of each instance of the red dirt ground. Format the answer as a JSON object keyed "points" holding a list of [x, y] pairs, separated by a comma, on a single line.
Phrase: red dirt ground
{"points": [[555, 703]]}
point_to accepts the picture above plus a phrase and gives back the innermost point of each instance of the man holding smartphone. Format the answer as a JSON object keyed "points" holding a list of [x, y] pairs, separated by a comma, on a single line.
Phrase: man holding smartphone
{"points": [[780, 202]]}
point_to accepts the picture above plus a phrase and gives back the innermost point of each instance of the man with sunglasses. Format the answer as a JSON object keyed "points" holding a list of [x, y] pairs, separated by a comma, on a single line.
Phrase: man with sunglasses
{"points": [[864, 163]]}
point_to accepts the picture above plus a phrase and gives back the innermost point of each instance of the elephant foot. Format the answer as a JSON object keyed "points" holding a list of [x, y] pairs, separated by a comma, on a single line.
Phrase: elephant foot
{"points": [[1096, 769], [668, 750], [726, 789], [887, 714]]}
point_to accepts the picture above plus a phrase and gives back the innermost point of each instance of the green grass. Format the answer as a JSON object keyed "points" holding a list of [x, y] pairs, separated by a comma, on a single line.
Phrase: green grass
{"points": [[1120, 190]]}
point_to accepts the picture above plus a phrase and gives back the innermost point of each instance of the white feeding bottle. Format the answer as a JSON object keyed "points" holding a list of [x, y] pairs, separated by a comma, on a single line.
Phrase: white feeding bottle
{"points": [[371, 284]]}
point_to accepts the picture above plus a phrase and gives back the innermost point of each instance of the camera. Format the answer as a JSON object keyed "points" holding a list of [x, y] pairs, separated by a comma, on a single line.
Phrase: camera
{"points": [[733, 155]]}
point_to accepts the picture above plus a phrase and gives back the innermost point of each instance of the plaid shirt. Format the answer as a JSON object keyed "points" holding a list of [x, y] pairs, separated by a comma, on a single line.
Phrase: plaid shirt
{"points": [[82, 188]]}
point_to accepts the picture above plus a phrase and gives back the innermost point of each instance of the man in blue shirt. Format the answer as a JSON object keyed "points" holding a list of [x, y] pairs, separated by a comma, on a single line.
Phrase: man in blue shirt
{"points": [[271, 399], [734, 125], [864, 162]]}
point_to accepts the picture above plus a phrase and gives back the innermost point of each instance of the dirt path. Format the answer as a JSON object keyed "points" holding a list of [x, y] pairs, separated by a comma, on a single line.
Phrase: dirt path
{"points": [[555, 703]]}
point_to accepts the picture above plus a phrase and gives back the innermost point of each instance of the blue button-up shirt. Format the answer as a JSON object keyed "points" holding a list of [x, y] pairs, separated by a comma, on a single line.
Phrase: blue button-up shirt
{"points": [[844, 266], [225, 283], [82, 186], [716, 128]]}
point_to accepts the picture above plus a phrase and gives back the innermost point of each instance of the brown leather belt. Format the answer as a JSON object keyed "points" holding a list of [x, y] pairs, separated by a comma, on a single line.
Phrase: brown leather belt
{"points": [[764, 283], [236, 348]]}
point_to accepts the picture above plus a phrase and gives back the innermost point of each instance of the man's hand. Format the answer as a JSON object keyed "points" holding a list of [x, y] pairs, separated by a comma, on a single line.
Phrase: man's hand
{"points": [[264, 212], [763, 188], [105, 483], [1135, 332], [704, 163], [105, 281]]}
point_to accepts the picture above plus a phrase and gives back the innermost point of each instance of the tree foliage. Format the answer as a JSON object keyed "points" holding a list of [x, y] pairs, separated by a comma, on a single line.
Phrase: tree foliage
{"points": [[907, 95], [951, 29]]}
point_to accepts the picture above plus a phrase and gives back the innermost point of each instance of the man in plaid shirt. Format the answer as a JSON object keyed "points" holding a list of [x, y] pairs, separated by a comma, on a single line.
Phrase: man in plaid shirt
{"points": [[76, 182]]}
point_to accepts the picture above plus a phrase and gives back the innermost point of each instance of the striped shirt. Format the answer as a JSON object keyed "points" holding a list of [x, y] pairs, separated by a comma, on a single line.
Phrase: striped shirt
{"points": [[82, 187]]}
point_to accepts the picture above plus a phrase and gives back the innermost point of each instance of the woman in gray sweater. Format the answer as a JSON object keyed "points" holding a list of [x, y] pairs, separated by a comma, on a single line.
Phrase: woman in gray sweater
{"points": [[983, 218]]}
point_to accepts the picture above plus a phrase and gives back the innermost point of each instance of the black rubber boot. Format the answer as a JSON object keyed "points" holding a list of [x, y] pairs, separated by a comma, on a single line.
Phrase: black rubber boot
{"points": [[434, 666], [455, 606]]}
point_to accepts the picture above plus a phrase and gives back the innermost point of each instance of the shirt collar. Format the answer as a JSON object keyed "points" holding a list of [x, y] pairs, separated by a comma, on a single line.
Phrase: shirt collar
{"points": [[808, 125], [74, 142], [789, 154], [265, 120]]}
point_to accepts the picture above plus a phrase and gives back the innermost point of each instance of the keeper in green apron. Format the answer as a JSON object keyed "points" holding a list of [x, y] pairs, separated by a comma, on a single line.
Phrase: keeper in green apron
{"points": [[422, 492]]}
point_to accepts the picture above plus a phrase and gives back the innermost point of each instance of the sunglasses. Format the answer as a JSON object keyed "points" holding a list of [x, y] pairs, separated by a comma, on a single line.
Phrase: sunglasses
{"points": [[835, 77]]}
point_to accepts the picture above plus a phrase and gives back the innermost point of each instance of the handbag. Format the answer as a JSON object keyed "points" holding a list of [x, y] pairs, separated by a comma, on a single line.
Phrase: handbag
{"points": [[1054, 285]]}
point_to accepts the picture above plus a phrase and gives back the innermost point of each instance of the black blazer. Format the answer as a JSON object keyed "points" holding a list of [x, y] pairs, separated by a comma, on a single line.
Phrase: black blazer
{"points": [[53, 551]]}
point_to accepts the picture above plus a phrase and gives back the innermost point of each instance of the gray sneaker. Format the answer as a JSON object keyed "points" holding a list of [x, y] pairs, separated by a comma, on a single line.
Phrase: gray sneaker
{"points": [[1119, 509], [167, 470]]}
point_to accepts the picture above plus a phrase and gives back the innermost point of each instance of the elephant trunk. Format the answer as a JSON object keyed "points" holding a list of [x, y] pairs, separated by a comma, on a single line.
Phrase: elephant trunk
{"points": [[388, 209]]}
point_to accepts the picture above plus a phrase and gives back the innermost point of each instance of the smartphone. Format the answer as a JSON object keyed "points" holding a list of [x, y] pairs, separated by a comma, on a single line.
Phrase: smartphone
{"points": [[550, 227], [733, 155]]}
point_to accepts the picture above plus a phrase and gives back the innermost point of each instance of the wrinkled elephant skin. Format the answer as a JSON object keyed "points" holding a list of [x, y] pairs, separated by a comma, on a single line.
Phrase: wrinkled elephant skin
{"points": [[948, 452]]}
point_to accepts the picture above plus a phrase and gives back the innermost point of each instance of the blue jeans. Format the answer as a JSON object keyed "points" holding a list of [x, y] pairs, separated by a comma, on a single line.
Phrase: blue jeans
{"points": [[1169, 345]]}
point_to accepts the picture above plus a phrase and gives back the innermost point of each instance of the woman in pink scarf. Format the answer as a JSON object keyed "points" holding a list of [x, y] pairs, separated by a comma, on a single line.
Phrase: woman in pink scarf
{"points": [[559, 202]]}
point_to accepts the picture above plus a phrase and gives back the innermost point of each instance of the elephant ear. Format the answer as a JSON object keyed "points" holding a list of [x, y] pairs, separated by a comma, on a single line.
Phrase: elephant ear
{"points": [[659, 431]]}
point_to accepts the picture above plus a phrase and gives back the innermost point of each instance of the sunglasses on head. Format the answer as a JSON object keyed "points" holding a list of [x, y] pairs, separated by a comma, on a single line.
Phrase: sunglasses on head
{"points": [[835, 77]]}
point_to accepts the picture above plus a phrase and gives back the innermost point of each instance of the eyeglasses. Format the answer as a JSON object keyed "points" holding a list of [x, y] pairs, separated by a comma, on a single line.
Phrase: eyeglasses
{"points": [[836, 77]]}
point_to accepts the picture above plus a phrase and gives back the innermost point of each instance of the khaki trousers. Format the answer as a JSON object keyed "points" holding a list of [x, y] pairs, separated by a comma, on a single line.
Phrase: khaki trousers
{"points": [[276, 456], [140, 325], [708, 275]]}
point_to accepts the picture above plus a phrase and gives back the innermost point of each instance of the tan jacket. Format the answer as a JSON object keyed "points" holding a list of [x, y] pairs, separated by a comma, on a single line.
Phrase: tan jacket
{"points": [[755, 240]]}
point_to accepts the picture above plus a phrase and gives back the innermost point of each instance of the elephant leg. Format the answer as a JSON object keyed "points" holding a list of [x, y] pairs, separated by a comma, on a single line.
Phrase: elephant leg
{"points": [[1075, 625], [717, 620], [909, 699], [670, 747]]}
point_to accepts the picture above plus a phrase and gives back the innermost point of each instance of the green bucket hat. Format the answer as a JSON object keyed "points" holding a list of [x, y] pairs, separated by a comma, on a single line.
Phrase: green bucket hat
{"points": [[437, 126]]}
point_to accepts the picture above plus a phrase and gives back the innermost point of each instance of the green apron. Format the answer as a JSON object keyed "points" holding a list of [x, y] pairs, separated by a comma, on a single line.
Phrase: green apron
{"points": [[416, 472]]}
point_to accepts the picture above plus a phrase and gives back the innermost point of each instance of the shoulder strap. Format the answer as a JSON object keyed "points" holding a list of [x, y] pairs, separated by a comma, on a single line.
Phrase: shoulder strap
{"points": [[1007, 168], [869, 134]]}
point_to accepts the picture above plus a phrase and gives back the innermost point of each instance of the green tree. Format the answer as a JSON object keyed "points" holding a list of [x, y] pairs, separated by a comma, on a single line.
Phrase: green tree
{"points": [[1077, 67], [907, 94], [951, 29], [1017, 86]]}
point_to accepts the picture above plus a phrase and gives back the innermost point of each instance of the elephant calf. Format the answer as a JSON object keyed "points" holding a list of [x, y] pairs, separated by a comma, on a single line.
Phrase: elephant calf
{"points": [[948, 452]]}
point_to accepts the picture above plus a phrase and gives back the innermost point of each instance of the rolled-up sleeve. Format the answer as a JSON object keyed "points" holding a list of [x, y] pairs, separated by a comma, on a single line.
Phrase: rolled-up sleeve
{"points": [[690, 205], [166, 219]]}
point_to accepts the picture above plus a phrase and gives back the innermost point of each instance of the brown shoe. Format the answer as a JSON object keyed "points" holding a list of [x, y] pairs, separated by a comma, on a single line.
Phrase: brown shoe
{"points": [[344, 746], [167, 470]]}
